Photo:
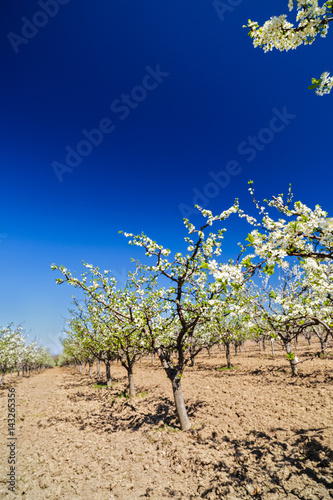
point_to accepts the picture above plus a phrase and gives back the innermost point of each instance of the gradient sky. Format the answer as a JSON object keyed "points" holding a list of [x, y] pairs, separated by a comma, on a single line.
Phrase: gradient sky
{"points": [[207, 92]]}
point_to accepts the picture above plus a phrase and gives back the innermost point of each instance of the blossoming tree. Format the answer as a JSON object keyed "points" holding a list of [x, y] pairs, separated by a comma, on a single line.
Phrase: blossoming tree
{"points": [[126, 320], [307, 234], [313, 20], [192, 294]]}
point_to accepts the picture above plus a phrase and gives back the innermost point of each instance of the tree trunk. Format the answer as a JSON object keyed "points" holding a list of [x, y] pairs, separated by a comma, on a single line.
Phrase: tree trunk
{"points": [[18, 373], [292, 360], [180, 405], [323, 347], [108, 373], [235, 349], [175, 377], [152, 358], [98, 373], [227, 354], [263, 344], [131, 387], [90, 369], [3, 376], [80, 367]]}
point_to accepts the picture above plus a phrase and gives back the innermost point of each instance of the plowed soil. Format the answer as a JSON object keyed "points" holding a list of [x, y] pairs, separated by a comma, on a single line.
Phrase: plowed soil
{"points": [[256, 432]]}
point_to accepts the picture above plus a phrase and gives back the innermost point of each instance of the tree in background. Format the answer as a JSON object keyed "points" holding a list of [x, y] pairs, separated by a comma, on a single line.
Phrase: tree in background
{"points": [[15, 353]]}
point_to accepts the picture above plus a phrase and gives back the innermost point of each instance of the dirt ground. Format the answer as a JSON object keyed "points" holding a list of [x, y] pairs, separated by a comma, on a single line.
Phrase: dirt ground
{"points": [[256, 432]]}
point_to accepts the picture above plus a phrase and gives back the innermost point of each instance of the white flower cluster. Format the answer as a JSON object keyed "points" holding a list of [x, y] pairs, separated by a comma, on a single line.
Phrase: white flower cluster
{"points": [[309, 233], [226, 273], [325, 84], [280, 34]]}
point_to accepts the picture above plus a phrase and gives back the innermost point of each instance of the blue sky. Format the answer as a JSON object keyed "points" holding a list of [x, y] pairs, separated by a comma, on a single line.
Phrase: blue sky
{"points": [[178, 94]]}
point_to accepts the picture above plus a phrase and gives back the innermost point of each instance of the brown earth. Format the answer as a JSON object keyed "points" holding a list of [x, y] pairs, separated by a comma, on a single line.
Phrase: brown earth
{"points": [[256, 433]]}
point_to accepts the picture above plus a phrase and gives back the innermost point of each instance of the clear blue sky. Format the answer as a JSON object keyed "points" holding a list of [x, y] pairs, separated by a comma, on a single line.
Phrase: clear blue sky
{"points": [[193, 90]]}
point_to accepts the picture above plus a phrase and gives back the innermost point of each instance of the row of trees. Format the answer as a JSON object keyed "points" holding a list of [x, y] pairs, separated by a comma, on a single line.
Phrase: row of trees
{"points": [[17, 354], [174, 306]]}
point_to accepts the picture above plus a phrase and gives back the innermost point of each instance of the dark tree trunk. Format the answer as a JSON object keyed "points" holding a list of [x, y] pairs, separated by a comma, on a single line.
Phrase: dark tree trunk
{"points": [[323, 347], [108, 373], [227, 354], [3, 376], [192, 356]]}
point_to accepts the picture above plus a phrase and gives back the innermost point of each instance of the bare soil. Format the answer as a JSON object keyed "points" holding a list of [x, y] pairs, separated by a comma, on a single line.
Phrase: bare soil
{"points": [[256, 432]]}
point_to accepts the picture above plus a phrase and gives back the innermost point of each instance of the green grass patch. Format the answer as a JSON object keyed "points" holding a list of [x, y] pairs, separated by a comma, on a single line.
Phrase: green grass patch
{"points": [[167, 428], [122, 394], [143, 394], [225, 368], [100, 386]]}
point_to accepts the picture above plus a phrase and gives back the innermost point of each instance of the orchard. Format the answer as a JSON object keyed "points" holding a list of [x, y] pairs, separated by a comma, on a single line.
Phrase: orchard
{"points": [[18, 355], [277, 289]]}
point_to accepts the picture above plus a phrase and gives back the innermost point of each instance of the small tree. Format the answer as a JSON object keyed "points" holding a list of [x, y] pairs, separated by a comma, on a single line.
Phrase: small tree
{"points": [[284, 310], [191, 295], [125, 319], [230, 328]]}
